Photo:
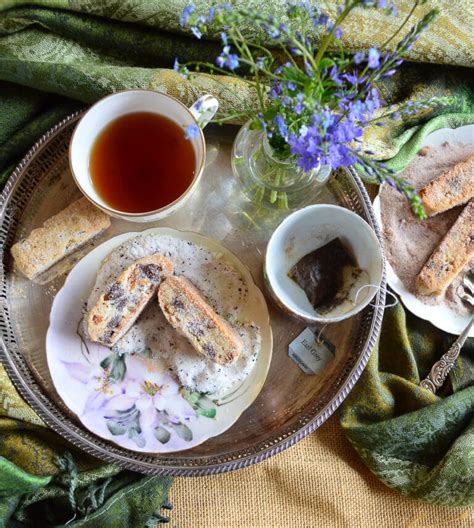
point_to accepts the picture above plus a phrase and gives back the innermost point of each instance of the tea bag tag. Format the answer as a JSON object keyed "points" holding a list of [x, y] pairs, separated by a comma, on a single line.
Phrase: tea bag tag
{"points": [[312, 354]]}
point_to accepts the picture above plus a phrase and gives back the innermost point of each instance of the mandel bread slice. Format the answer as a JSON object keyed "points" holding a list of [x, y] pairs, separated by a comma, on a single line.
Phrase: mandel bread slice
{"points": [[59, 237], [187, 311], [124, 299], [454, 187], [450, 257]]}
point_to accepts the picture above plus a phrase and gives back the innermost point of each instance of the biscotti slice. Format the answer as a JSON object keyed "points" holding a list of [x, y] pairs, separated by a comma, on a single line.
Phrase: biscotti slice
{"points": [[188, 312], [60, 236], [454, 187], [450, 257], [124, 299]]}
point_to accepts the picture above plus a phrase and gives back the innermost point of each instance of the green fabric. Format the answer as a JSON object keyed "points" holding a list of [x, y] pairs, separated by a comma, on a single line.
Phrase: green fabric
{"points": [[46, 482], [56, 56], [416, 442]]}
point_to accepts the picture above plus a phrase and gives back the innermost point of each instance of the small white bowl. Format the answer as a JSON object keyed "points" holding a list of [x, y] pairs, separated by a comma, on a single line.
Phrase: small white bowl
{"points": [[311, 228]]}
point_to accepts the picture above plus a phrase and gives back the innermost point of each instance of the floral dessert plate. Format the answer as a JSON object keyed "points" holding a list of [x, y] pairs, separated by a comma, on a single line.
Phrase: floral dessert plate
{"points": [[440, 315], [132, 399]]}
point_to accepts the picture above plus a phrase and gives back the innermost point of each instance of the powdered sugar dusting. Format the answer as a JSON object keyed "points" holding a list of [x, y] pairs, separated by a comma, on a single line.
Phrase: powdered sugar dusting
{"points": [[220, 283], [409, 241]]}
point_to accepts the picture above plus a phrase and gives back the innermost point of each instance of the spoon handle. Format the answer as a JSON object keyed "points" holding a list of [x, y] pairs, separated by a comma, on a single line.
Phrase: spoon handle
{"points": [[440, 370]]}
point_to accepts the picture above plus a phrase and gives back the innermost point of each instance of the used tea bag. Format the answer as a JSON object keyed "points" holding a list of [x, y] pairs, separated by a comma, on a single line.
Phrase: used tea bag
{"points": [[324, 274]]}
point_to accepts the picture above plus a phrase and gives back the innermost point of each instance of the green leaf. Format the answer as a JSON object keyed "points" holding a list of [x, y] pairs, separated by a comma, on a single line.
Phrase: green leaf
{"points": [[191, 397], [206, 407], [107, 362], [118, 370], [183, 431], [134, 433], [326, 63], [115, 428], [162, 434], [116, 366], [200, 403], [208, 413]]}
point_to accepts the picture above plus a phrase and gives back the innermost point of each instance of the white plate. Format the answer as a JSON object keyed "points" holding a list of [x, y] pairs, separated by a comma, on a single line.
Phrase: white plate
{"points": [[125, 410], [440, 316]]}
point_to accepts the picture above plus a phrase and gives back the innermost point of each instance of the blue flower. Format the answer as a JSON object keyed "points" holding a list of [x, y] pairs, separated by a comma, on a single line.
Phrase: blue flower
{"points": [[382, 4], [299, 106], [291, 85], [210, 17], [281, 125], [220, 61], [351, 78], [373, 58], [227, 59], [191, 131], [338, 33], [232, 61], [389, 73], [323, 19], [184, 17], [196, 32], [179, 68], [333, 74], [359, 57], [224, 38], [263, 123], [275, 90]]}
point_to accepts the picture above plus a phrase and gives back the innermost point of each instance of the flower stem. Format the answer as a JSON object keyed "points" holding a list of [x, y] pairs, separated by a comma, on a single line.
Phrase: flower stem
{"points": [[412, 10], [326, 41]]}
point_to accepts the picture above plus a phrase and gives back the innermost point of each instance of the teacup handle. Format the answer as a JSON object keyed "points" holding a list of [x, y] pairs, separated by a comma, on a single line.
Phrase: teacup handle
{"points": [[204, 109]]}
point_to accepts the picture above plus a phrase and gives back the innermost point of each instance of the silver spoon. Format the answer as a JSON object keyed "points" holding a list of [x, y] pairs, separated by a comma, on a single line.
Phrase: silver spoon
{"points": [[440, 370]]}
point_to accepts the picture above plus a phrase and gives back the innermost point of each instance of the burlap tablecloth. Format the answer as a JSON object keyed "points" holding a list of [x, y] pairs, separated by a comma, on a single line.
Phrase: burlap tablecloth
{"points": [[320, 482]]}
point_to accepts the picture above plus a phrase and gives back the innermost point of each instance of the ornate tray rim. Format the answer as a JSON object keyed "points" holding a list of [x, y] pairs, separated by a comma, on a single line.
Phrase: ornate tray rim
{"points": [[75, 435]]}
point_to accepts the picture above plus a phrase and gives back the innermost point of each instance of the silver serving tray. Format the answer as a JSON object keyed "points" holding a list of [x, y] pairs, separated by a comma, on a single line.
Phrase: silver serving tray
{"points": [[291, 405]]}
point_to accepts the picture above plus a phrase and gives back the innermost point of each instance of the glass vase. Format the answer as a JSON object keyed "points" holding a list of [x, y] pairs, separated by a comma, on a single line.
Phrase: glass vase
{"points": [[268, 180]]}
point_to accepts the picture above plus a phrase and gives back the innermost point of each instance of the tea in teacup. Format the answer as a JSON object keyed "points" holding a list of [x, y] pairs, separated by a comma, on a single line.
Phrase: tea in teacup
{"points": [[141, 162]]}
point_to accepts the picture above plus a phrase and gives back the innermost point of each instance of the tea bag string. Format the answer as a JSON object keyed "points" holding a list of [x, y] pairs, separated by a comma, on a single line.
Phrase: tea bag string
{"points": [[320, 333], [378, 287]]}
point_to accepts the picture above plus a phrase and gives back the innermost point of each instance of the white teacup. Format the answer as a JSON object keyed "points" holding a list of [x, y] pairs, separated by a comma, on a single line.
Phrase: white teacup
{"points": [[116, 105], [306, 230]]}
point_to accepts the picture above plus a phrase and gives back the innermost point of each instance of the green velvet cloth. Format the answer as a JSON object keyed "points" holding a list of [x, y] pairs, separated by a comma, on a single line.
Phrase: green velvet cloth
{"points": [[56, 56]]}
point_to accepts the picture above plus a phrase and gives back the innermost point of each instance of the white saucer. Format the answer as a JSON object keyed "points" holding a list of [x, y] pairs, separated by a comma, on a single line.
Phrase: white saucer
{"points": [[118, 397], [440, 316]]}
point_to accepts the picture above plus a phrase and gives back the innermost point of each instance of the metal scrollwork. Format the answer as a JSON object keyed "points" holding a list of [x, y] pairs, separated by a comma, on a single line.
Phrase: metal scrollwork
{"points": [[441, 369]]}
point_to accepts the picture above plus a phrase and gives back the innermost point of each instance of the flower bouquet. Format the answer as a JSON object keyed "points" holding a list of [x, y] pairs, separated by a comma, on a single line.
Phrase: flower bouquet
{"points": [[313, 103]]}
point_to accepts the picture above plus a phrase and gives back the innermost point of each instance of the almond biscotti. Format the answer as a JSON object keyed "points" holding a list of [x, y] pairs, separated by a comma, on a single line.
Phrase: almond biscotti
{"points": [[448, 259], [122, 302], [60, 236], [454, 187], [188, 312]]}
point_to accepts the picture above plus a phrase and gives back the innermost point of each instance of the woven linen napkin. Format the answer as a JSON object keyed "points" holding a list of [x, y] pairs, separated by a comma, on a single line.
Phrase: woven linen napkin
{"points": [[56, 55]]}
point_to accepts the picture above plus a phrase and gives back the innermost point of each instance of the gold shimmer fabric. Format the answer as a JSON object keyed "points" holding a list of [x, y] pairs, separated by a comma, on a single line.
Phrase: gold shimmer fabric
{"points": [[449, 41], [320, 482]]}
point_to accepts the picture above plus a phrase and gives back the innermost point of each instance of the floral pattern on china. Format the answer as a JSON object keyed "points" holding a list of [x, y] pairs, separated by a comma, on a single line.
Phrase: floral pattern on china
{"points": [[132, 398], [133, 394]]}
